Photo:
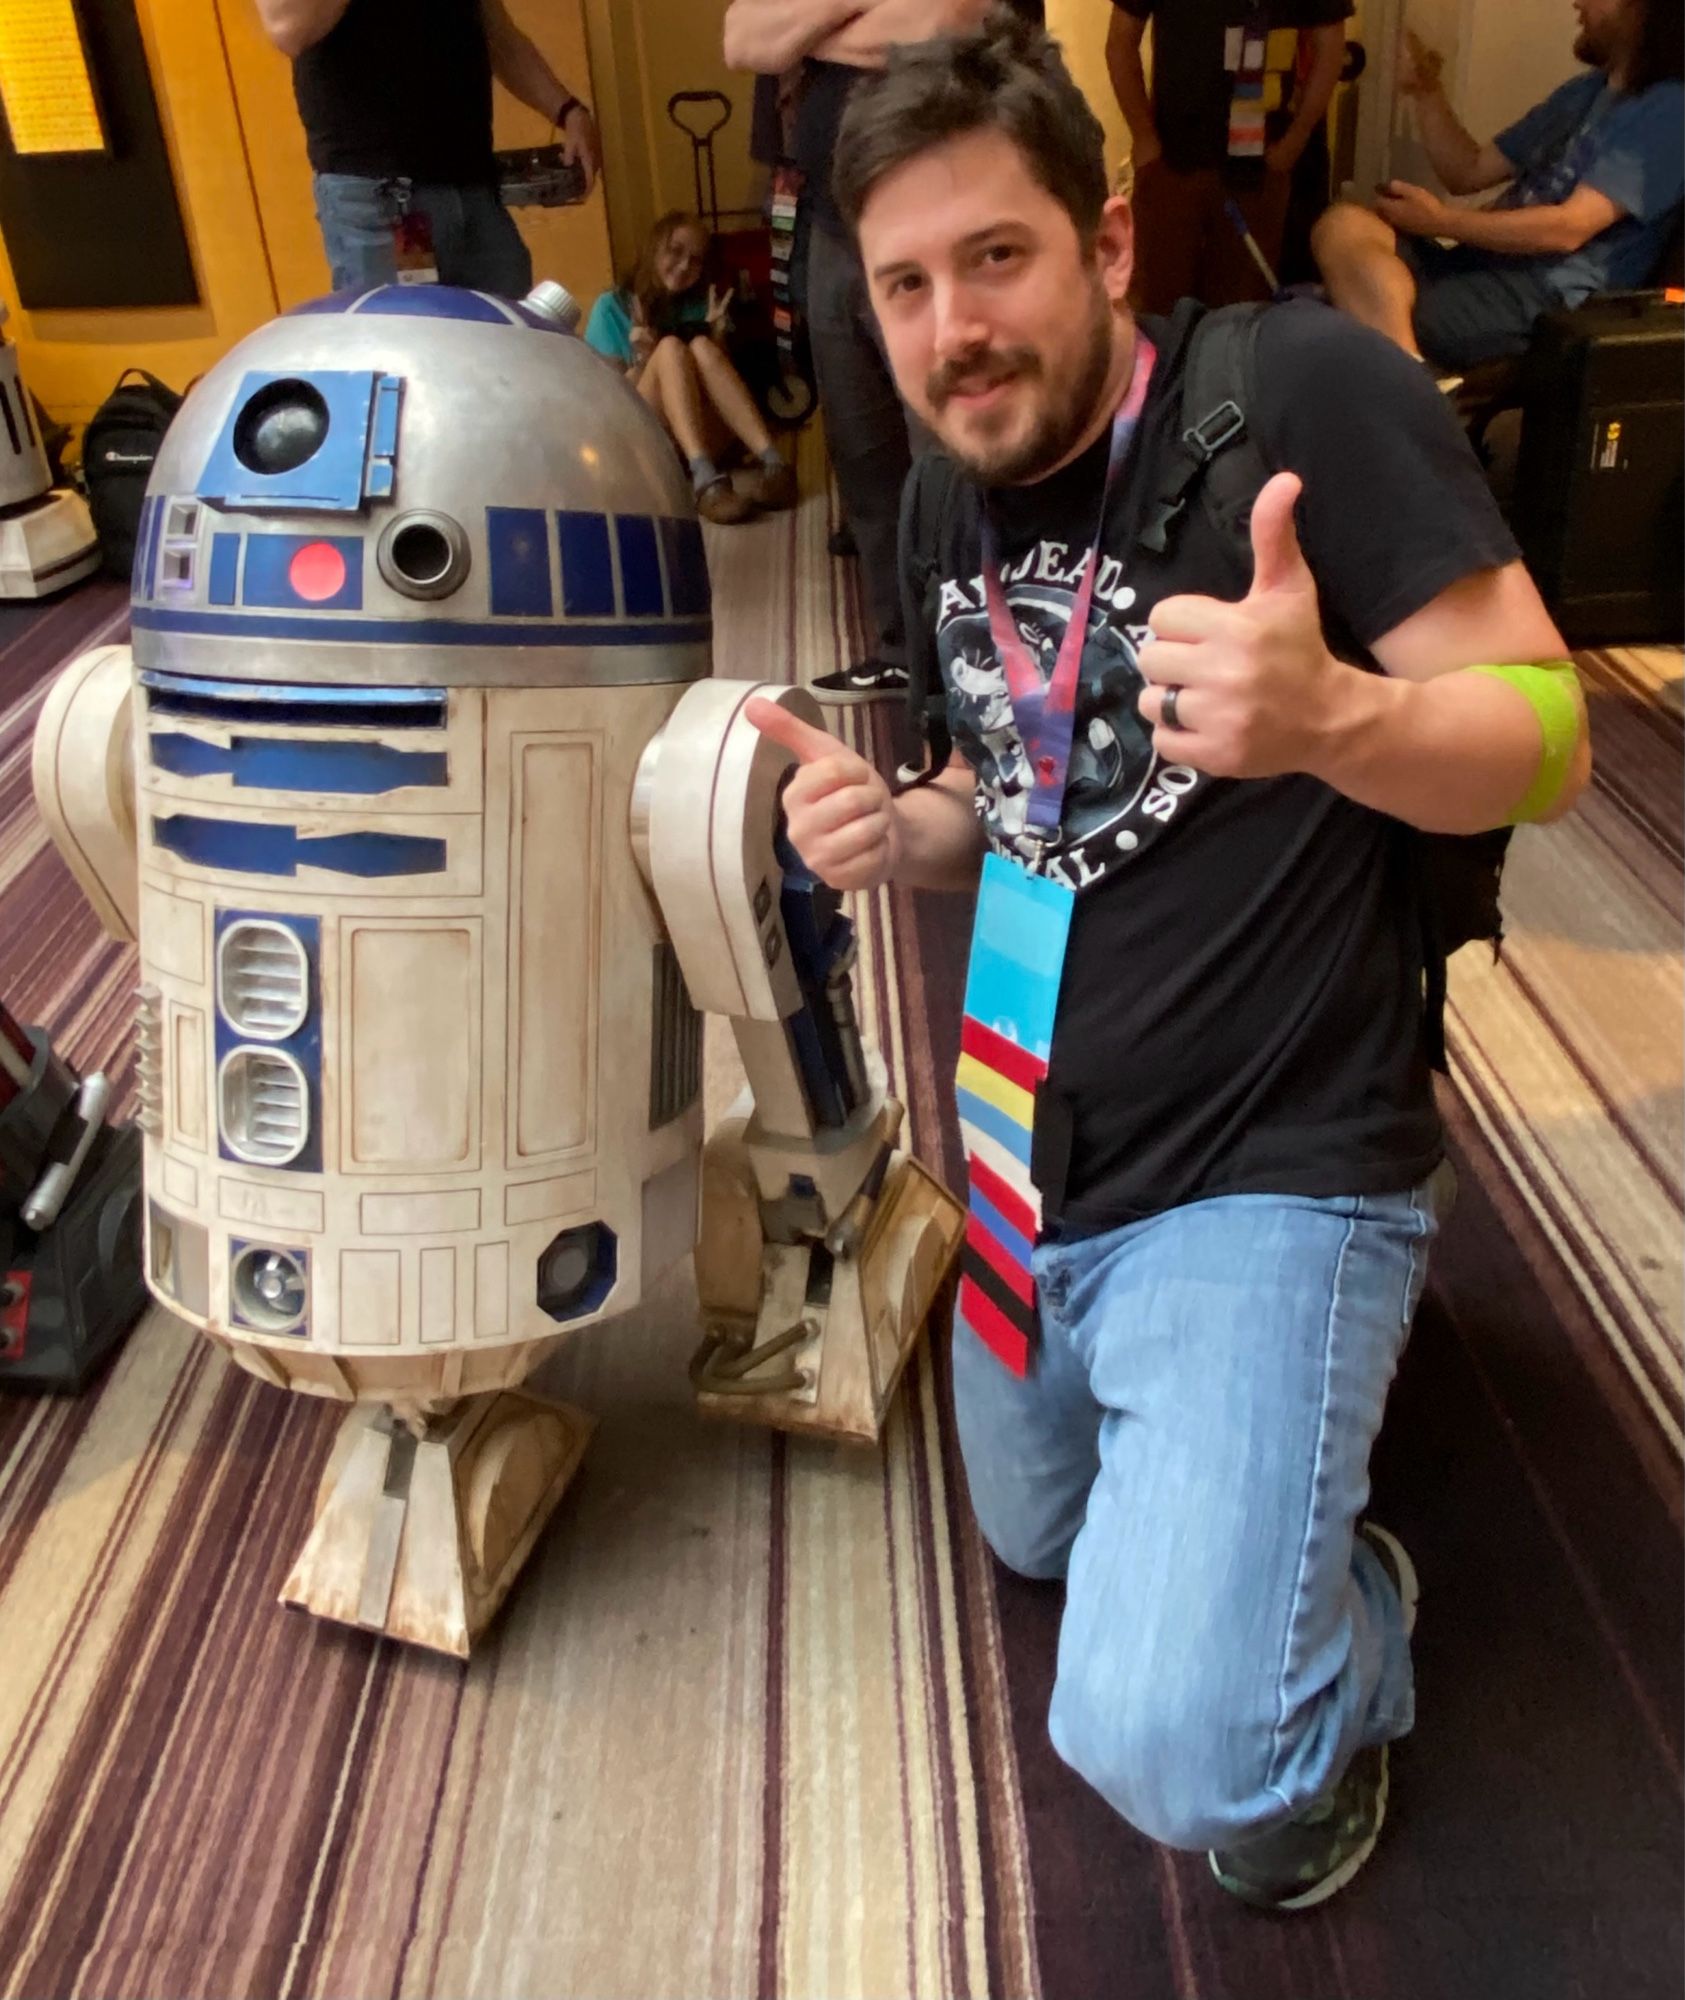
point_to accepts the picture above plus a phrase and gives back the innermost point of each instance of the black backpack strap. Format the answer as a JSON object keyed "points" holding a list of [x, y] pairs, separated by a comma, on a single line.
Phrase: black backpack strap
{"points": [[1221, 457], [930, 488]]}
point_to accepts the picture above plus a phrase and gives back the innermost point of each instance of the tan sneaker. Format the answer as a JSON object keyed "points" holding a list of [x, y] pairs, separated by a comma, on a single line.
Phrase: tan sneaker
{"points": [[772, 486], [720, 502]]}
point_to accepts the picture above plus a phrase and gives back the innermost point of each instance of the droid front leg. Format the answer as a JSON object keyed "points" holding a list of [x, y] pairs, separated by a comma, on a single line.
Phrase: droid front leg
{"points": [[822, 1244]]}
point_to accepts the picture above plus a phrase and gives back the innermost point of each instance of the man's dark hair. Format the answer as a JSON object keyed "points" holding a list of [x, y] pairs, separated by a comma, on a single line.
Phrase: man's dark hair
{"points": [[1002, 76], [1660, 53]]}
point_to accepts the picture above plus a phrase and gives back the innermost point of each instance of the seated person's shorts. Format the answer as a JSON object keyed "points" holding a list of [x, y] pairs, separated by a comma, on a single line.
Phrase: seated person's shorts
{"points": [[1468, 308]]}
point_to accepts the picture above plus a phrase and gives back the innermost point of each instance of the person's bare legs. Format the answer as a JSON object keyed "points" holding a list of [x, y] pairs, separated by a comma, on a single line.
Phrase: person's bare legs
{"points": [[670, 386], [771, 482], [1357, 254], [729, 394]]}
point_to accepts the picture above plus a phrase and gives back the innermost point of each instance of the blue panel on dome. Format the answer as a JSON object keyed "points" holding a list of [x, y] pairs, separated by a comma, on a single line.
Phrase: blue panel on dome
{"points": [[518, 543], [433, 302], [319, 474], [335, 302], [687, 567], [587, 569], [640, 565], [269, 583], [225, 568]]}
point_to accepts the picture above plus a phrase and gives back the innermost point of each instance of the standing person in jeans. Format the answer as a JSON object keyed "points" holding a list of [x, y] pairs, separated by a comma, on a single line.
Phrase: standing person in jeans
{"points": [[1235, 99], [395, 97], [866, 424], [1205, 1162]]}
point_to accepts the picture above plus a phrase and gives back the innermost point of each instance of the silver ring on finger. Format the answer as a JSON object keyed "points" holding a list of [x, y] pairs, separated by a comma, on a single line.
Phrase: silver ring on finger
{"points": [[1167, 713]]}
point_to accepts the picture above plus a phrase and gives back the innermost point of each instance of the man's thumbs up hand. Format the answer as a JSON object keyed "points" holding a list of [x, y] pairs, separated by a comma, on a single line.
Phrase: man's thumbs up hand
{"points": [[1254, 681], [838, 810]]}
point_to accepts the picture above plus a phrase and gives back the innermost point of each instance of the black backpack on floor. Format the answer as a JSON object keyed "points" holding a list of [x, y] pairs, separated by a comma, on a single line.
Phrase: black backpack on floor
{"points": [[118, 448], [1222, 465]]}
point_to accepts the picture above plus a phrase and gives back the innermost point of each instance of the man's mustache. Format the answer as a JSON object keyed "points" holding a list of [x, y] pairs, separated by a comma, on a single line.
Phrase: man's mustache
{"points": [[970, 374]]}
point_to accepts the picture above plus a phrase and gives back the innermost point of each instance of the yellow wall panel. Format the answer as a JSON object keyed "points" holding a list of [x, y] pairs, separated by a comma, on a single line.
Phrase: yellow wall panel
{"points": [[237, 152]]}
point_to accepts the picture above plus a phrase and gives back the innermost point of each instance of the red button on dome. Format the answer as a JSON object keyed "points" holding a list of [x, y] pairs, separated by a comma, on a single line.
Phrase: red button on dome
{"points": [[317, 572]]}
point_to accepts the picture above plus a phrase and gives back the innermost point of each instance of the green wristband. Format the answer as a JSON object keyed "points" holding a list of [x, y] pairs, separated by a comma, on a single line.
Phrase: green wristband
{"points": [[1550, 687]]}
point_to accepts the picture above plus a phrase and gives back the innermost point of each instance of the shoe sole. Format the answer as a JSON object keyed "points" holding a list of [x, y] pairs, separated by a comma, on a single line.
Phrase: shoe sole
{"points": [[1330, 1885], [1409, 1584], [852, 698]]}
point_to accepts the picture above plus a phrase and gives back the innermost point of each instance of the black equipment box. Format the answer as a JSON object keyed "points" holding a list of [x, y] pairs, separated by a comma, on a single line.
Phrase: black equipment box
{"points": [[1600, 483]]}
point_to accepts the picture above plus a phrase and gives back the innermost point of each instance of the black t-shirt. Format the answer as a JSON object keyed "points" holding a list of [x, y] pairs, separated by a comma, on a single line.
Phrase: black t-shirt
{"points": [[1241, 1005], [400, 87], [819, 110], [1192, 87]]}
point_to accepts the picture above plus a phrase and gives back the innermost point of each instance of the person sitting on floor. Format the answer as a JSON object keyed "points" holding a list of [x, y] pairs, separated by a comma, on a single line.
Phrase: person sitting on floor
{"points": [[670, 334], [1595, 186]]}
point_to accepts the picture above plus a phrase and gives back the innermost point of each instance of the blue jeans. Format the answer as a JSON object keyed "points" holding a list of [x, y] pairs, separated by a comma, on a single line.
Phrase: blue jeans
{"points": [[475, 241], [1191, 1453]]}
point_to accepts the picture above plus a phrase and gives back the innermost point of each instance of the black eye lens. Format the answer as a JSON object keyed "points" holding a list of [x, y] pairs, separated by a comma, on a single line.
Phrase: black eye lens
{"points": [[281, 427]]}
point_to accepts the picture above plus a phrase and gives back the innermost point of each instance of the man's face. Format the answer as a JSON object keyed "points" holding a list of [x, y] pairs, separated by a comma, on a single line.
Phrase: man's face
{"points": [[1605, 28], [999, 327]]}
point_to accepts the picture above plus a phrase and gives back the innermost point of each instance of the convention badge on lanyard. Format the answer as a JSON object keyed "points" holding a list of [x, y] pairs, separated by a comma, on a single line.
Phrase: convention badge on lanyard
{"points": [[1018, 943]]}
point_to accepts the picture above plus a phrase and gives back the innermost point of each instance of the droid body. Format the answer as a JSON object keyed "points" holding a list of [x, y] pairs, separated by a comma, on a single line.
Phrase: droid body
{"points": [[418, 592], [47, 539]]}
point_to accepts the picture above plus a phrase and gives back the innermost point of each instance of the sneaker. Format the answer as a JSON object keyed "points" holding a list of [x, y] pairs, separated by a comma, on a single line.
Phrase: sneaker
{"points": [[721, 503], [840, 542], [772, 487], [1304, 1862], [865, 680], [1401, 1571]]}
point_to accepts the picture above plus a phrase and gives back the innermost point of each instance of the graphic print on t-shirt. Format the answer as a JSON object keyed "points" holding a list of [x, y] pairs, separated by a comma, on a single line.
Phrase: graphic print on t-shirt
{"points": [[1120, 795]]}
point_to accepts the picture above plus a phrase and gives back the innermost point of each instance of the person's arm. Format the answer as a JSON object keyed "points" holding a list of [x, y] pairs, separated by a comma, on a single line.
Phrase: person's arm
{"points": [[1124, 35], [1546, 229], [1328, 58], [296, 25], [884, 24], [767, 36], [1459, 159], [524, 73], [852, 833], [1428, 742]]}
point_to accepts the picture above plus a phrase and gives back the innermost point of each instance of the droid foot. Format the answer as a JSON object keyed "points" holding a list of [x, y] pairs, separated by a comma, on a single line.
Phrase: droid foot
{"points": [[421, 1536], [836, 1320]]}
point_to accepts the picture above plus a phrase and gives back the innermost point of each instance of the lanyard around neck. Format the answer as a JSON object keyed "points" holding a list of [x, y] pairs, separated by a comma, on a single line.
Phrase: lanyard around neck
{"points": [[1044, 711]]}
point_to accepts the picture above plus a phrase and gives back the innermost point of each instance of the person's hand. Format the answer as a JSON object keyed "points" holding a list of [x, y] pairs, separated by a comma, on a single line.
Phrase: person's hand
{"points": [[1416, 211], [1256, 684], [719, 311], [580, 142], [642, 336], [1144, 153], [1418, 66], [1283, 156], [837, 808]]}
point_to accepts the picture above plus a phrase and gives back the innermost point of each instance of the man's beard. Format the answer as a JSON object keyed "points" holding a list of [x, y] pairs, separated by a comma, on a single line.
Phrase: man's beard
{"points": [[1068, 413], [1593, 48]]}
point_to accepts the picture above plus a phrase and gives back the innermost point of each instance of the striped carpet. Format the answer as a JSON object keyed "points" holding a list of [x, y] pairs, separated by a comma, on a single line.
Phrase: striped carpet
{"points": [[763, 1719]]}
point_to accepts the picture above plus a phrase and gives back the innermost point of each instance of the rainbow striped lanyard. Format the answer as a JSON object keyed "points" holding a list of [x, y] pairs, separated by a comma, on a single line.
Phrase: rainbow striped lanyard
{"points": [[1044, 711], [1018, 942]]}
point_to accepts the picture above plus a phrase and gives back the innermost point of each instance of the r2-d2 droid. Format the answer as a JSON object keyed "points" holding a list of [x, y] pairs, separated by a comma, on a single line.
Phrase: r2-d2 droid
{"points": [[47, 539], [436, 835]]}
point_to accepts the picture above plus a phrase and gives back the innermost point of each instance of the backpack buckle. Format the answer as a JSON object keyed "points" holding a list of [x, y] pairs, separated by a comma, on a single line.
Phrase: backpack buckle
{"points": [[1212, 433]]}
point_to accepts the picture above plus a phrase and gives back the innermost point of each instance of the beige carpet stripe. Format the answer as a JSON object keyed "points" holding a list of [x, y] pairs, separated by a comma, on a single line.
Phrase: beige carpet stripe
{"points": [[1571, 1048]]}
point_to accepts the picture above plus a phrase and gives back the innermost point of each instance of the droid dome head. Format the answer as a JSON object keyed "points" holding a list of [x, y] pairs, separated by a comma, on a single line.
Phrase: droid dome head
{"points": [[414, 483]]}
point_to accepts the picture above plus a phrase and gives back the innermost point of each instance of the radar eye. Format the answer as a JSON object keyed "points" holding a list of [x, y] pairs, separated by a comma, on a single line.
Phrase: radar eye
{"points": [[423, 554], [281, 427]]}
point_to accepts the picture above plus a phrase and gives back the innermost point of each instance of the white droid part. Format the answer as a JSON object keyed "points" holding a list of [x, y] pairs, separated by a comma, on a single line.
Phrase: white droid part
{"points": [[418, 583], [47, 539]]}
